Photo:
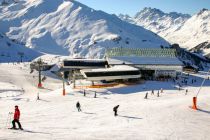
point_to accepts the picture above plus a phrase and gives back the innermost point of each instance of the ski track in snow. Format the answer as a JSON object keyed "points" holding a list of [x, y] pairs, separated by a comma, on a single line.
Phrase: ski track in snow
{"points": [[55, 116]]}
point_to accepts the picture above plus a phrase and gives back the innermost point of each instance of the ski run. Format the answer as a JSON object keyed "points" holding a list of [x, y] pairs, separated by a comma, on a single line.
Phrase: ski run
{"points": [[56, 117]]}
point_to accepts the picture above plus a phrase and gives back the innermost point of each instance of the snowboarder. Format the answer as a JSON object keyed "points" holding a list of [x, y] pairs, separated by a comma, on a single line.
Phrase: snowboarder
{"points": [[84, 92], [158, 94], [16, 119], [146, 95], [115, 110], [78, 106]]}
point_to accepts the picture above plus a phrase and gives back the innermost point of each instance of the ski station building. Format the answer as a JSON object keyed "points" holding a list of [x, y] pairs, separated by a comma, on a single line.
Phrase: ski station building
{"points": [[152, 63], [126, 64]]}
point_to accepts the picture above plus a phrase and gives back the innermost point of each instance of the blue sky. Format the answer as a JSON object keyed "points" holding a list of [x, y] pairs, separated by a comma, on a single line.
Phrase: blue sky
{"points": [[132, 6]]}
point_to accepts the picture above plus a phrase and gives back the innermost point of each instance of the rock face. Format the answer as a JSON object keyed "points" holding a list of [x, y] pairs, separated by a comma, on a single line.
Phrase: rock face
{"points": [[67, 27]]}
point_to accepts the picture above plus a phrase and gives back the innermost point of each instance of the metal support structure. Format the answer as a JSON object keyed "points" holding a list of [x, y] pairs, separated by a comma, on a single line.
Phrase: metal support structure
{"points": [[39, 68], [74, 84], [194, 106], [64, 90]]}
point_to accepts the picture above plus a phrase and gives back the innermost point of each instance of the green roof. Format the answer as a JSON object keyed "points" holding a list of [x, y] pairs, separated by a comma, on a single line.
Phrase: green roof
{"points": [[141, 52]]}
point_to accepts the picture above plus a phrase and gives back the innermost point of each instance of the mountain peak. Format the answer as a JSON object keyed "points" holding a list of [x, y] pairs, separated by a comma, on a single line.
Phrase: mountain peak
{"points": [[153, 13], [203, 11], [67, 27], [148, 11]]}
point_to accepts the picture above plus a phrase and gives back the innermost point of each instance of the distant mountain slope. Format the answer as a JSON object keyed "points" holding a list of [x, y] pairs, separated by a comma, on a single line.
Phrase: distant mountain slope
{"points": [[11, 51], [157, 21], [203, 49], [195, 31], [188, 32], [68, 27]]}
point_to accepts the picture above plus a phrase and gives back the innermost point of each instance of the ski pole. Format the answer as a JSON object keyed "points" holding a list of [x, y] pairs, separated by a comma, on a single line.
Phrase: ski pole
{"points": [[8, 119]]}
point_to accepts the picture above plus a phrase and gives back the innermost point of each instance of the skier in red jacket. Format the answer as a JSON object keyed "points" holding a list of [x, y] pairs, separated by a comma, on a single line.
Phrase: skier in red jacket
{"points": [[16, 118]]}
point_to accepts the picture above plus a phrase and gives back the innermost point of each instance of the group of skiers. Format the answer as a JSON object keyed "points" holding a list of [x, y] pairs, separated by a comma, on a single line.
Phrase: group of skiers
{"points": [[16, 117], [84, 93], [78, 106], [152, 93]]}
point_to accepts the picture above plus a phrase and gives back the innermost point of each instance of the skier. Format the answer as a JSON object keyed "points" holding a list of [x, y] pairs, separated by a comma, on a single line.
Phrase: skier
{"points": [[78, 106], [16, 119], [84, 92], [146, 95], [95, 95], [158, 94], [152, 93], [115, 110], [161, 90], [186, 91]]}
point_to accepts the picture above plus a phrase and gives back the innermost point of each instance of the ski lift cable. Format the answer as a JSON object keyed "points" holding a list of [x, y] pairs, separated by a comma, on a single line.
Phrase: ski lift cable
{"points": [[204, 79]]}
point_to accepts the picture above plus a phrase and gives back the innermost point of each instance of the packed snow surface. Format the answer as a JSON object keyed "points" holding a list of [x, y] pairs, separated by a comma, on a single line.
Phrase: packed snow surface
{"points": [[55, 116]]}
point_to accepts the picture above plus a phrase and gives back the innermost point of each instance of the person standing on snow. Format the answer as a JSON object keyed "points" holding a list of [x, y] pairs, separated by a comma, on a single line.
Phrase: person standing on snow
{"points": [[186, 91], [78, 106], [146, 95], [152, 93], [16, 118], [158, 94], [115, 110]]}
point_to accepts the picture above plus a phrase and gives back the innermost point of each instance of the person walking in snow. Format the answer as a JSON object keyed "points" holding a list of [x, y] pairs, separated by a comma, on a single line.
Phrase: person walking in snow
{"points": [[16, 118], [78, 106], [115, 110]]}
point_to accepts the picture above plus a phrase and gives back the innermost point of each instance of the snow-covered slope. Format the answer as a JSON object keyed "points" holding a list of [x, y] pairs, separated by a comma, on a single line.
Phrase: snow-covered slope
{"points": [[195, 30], [55, 116], [157, 21], [188, 32], [68, 27], [203, 49], [11, 51]]}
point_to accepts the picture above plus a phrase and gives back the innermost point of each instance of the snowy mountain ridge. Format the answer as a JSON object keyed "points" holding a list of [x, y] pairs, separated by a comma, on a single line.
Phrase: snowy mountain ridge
{"points": [[194, 31], [157, 21], [12, 51], [67, 27], [178, 28]]}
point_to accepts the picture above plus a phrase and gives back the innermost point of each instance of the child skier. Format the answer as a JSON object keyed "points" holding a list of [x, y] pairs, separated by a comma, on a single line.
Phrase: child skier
{"points": [[16, 119]]}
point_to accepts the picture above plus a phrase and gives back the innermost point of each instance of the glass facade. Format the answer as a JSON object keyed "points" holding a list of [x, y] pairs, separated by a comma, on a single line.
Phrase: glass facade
{"points": [[111, 73], [143, 52]]}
